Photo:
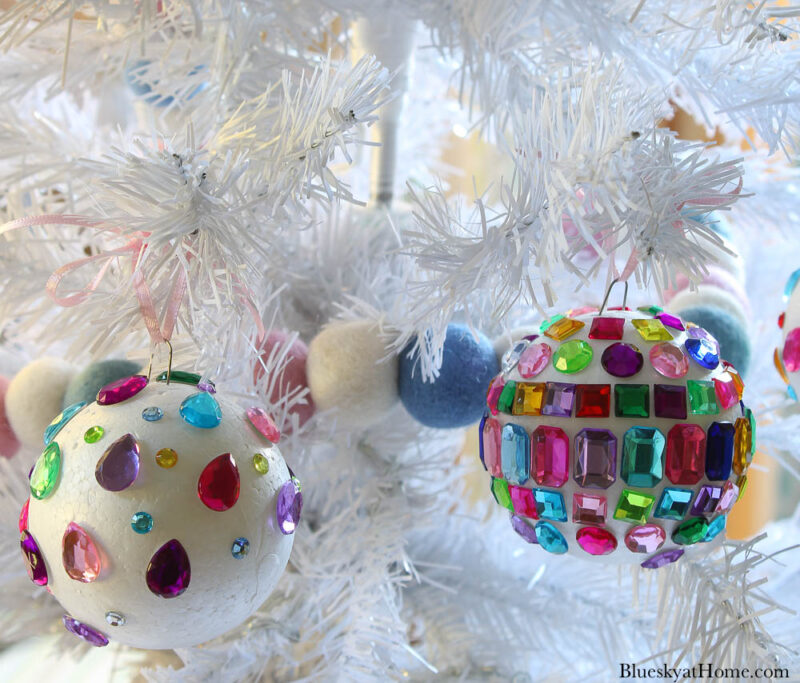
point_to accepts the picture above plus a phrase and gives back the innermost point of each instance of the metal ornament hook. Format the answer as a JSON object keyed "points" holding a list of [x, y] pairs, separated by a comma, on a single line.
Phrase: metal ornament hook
{"points": [[608, 293], [169, 361]]}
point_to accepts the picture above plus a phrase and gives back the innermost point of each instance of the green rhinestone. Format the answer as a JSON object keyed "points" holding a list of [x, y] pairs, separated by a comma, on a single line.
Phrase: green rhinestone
{"points": [[505, 404], [702, 397], [501, 494], [691, 531], [94, 434], [572, 356], [634, 506], [181, 377], [749, 415], [260, 463], [652, 310], [549, 321], [642, 457], [45, 472], [632, 400]]}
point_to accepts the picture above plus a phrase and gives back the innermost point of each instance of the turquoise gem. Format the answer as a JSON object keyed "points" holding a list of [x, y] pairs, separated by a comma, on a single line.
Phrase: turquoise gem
{"points": [[515, 454], [141, 522], [715, 528], [674, 503], [642, 456], [152, 414], [201, 410], [550, 505], [60, 420], [550, 538], [791, 283]]}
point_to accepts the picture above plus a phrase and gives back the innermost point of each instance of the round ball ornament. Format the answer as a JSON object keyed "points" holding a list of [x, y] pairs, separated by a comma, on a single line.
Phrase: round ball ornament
{"points": [[618, 436], [161, 515]]}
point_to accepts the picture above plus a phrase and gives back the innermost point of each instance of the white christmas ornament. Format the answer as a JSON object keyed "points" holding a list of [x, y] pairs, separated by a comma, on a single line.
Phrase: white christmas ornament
{"points": [[160, 516], [35, 395], [618, 437]]}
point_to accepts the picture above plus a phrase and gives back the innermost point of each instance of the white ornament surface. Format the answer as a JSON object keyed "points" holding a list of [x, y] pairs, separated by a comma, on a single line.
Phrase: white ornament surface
{"points": [[223, 590], [596, 374]]}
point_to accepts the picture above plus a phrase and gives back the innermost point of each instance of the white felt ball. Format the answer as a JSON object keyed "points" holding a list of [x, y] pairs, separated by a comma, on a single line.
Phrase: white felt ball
{"points": [[618, 454], [34, 397], [199, 501], [348, 370]]}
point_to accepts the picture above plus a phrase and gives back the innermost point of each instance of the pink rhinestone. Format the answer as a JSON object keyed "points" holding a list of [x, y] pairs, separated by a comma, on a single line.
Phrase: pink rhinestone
{"points": [[730, 492], [791, 350], [264, 424], [607, 328], [669, 360], [534, 359], [491, 447], [550, 454], [589, 509], [121, 390], [645, 539], [523, 501], [727, 395], [596, 541], [495, 389]]}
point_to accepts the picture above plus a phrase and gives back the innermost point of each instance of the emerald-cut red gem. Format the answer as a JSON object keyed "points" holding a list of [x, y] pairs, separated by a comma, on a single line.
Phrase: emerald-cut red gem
{"points": [[686, 454], [607, 328], [592, 400], [550, 455]]}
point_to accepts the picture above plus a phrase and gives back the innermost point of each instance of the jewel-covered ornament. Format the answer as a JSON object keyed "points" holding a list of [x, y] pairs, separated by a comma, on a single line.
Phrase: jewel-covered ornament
{"points": [[629, 446], [158, 533]]}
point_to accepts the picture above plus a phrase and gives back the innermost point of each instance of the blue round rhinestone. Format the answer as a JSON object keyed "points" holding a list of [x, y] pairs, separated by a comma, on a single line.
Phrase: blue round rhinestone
{"points": [[715, 528], [152, 414], [703, 352], [141, 522], [551, 538], [240, 548]]}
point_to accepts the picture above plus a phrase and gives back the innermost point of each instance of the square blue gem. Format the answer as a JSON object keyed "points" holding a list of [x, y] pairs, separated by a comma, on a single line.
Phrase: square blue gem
{"points": [[674, 503], [550, 505]]}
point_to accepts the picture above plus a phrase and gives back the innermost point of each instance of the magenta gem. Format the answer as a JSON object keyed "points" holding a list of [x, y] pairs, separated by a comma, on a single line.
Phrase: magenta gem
{"points": [[534, 359], [121, 390], [670, 321], [84, 632], [550, 456], [663, 559], [726, 391], [707, 500], [607, 328], [23, 516], [596, 541], [169, 572], [263, 424], [645, 539], [493, 394], [791, 350], [622, 360], [118, 467], [523, 501], [290, 504], [669, 360], [34, 562], [524, 529], [218, 484]]}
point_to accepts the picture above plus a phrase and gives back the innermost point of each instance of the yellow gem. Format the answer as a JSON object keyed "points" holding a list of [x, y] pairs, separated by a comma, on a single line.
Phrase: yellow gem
{"points": [[561, 329], [741, 482], [776, 357], [737, 380], [166, 457], [528, 399], [741, 444], [652, 330], [260, 463]]}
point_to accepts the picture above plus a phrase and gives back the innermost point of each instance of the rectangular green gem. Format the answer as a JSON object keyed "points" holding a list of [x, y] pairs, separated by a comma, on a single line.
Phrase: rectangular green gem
{"points": [[501, 494], [549, 321], [749, 415], [634, 506], [702, 397], [652, 310], [505, 403], [632, 400]]}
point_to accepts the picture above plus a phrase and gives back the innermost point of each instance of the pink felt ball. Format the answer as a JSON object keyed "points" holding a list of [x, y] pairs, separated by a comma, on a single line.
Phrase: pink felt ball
{"points": [[293, 376], [9, 443], [719, 278]]}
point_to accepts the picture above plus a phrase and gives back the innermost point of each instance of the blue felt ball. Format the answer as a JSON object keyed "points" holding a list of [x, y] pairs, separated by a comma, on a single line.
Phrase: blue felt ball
{"points": [[457, 397], [85, 385], [734, 342]]}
